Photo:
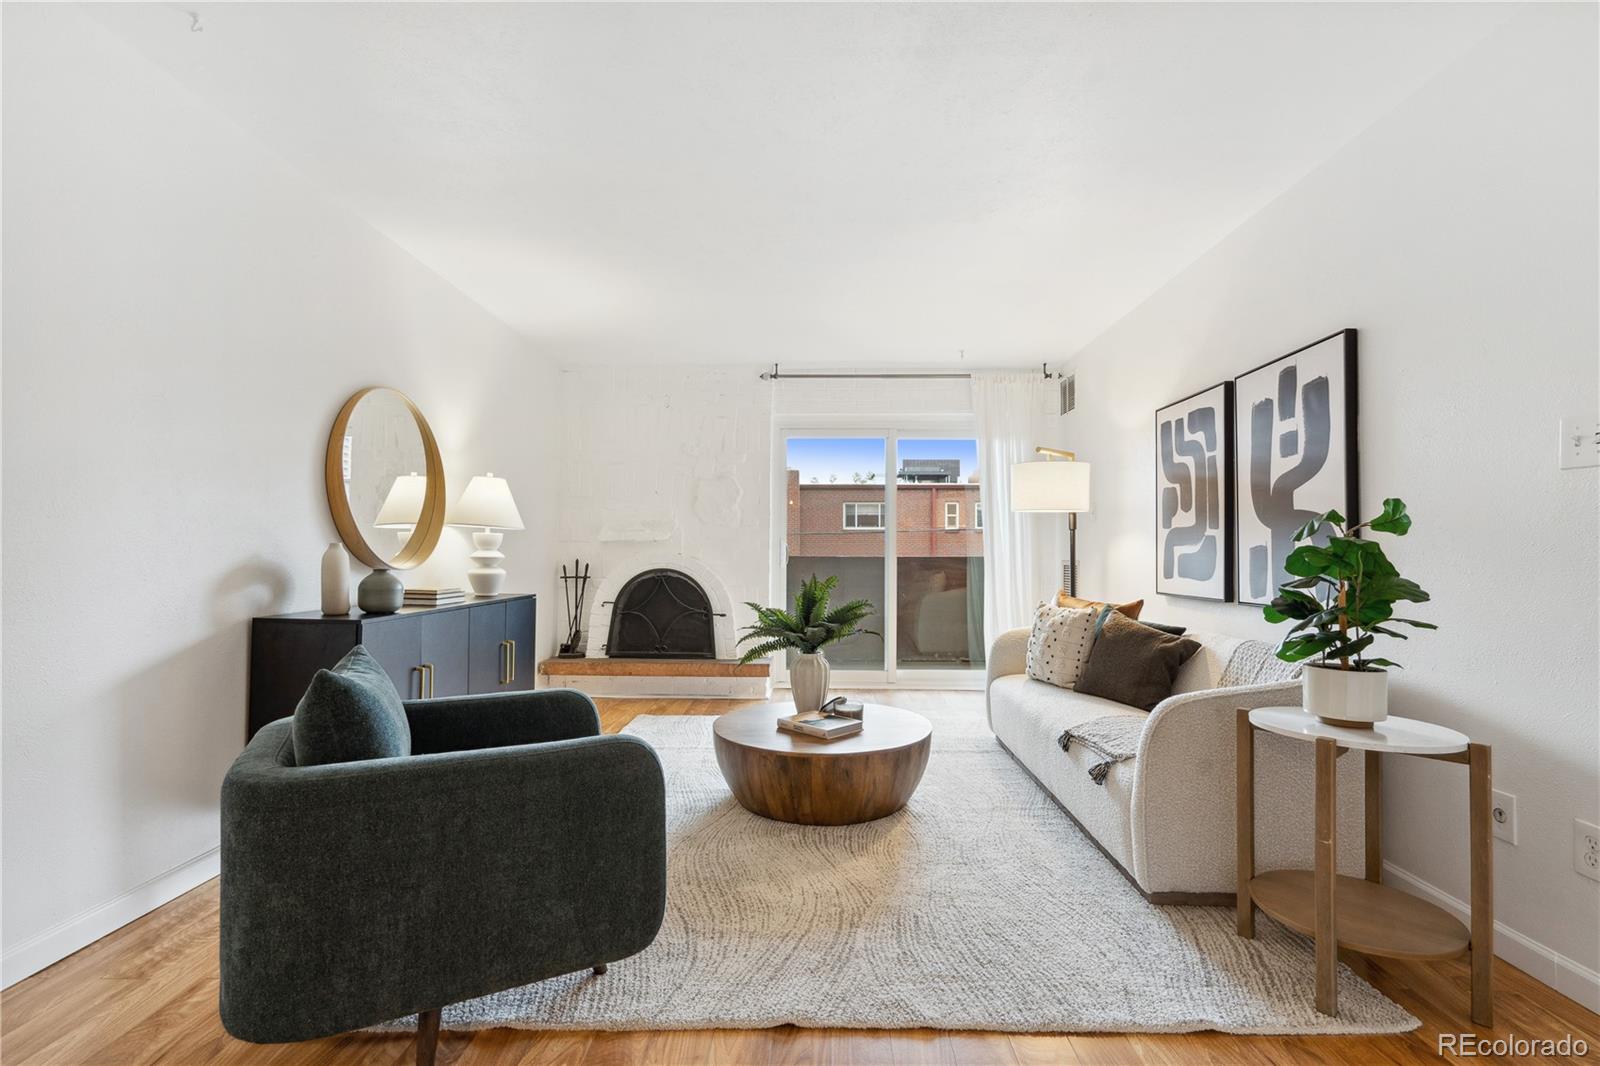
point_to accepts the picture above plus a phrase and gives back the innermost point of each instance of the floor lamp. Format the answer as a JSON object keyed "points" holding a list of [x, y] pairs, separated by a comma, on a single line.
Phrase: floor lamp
{"points": [[1056, 484]]}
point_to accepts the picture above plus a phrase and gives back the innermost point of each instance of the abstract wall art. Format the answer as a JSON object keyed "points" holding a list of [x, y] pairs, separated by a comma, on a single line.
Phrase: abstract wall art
{"points": [[1194, 495], [1295, 430]]}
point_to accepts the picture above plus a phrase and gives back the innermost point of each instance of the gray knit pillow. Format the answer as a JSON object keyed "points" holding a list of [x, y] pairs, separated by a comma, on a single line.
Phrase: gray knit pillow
{"points": [[350, 712], [1060, 643], [1255, 662]]}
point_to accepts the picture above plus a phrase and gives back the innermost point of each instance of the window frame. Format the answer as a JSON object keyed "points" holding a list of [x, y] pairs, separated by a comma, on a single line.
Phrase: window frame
{"points": [[952, 515], [977, 514], [845, 515]]}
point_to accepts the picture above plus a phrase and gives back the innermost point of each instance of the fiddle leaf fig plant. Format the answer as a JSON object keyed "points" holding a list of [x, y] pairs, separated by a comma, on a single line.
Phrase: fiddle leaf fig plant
{"points": [[810, 627], [1344, 592]]}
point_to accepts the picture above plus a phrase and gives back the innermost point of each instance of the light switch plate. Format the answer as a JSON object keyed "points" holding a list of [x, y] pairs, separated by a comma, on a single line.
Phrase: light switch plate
{"points": [[1580, 442]]}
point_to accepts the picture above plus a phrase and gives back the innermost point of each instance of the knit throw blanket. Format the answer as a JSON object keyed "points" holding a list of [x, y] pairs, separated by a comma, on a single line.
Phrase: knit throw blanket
{"points": [[1114, 739]]}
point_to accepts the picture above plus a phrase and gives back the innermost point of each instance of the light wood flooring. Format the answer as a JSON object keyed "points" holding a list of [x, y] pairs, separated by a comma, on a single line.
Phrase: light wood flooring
{"points": [[147, 994]]}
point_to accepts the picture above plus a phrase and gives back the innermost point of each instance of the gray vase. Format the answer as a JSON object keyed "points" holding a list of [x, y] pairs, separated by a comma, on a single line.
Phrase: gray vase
{"points": [[380, 592], [808, 681]]}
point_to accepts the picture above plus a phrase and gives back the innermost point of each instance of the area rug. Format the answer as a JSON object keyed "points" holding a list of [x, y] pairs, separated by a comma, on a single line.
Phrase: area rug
{"points": [[979, 906]]}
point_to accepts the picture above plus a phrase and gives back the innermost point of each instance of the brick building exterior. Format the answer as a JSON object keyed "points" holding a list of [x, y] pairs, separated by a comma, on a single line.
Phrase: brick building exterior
{"points": [[817, 520], [837, 529]]}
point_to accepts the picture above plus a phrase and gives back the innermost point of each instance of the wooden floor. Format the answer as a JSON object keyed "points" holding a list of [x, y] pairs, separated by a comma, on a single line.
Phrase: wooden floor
{"points": [[148, 994]]}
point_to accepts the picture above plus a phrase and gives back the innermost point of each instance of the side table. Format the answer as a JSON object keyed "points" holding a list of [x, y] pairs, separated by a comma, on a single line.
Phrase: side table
{"points": [[1366, 916]]}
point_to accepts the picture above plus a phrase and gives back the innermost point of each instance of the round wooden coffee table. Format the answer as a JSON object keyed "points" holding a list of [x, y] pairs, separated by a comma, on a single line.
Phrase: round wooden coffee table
{"points": [[794, 778]]}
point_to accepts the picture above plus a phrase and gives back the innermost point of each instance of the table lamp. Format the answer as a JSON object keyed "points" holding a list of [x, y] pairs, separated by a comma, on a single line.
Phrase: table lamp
{"points": [[403, 506], [1049, 486], [487, 505]]}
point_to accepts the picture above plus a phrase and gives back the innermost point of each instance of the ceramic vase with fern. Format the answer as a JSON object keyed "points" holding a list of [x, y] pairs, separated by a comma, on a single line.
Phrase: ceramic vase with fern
{"points": [[808, 681], [806, 631]]}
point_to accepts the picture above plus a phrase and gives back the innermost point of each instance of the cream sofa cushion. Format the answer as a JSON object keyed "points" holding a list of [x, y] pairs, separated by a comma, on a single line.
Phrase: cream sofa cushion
{"points": [[1029, 717]]}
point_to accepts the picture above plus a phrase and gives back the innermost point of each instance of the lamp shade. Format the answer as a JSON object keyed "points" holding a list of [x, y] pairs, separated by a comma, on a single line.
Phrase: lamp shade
{"points": [[487, 503], [402, 508], [1050, 486]]}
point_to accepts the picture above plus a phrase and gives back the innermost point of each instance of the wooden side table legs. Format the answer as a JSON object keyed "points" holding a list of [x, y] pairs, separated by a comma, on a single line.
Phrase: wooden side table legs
{"points": [[1479, 785], [1326, 862], [1378, 920], [1244, 806], [1374, 817]]}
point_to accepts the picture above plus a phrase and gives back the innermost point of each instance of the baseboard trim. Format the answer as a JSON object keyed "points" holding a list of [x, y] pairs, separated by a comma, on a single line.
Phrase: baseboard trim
{"points": [[81, 930], [1544, 964]]}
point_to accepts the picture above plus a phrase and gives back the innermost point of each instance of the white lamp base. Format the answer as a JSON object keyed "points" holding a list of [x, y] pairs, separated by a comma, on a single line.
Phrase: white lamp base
{"points": [[486, 576]]}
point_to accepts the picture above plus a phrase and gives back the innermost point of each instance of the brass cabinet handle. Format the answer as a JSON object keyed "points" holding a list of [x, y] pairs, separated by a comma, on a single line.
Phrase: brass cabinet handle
{"points": [[427, 680], [505, 667], [513, 659], [422, 682]]}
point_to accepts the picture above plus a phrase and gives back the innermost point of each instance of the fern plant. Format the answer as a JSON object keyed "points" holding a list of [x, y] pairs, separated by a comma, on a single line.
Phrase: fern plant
{"points": [[810, 627]]}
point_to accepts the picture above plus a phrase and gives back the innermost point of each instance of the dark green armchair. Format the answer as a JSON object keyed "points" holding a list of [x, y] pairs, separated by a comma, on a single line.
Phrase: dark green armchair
{"points": [[514, 844]]}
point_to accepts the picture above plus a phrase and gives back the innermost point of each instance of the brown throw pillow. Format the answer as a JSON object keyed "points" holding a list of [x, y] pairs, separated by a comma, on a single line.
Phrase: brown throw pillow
{"points": [[1130, 609], [1134, 664]]}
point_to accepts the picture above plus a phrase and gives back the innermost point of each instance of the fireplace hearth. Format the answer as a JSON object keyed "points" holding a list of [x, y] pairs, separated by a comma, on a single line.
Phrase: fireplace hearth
{"points": [[662, 614]]}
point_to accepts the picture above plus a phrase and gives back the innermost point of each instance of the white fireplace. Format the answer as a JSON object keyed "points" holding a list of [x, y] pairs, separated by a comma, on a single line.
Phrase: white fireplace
{"points": [[598, 674]]}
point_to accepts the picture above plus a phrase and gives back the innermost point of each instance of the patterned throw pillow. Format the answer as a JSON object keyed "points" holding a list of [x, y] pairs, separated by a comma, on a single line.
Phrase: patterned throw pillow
{"points": [[1059, 644]]}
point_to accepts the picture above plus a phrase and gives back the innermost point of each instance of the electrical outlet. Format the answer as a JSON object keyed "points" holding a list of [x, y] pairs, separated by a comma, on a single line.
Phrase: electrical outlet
{"points": [[1503, 816], [1586, 848], [1580, 443]]}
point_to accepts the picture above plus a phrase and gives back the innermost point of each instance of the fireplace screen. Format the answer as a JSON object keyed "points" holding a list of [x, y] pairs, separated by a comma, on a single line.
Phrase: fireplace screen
{"points": [[662, 614]]}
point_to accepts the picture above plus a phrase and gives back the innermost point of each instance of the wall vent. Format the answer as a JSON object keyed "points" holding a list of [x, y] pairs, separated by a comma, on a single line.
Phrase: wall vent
{"points": [[1069, 393]]}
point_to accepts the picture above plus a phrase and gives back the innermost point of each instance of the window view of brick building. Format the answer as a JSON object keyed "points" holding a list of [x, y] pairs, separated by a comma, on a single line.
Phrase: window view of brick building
{"points": [[836, 526]]}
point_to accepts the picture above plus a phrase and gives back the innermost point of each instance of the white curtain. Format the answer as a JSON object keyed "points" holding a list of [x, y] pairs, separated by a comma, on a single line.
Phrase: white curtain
{"points": [[1005, 404]]}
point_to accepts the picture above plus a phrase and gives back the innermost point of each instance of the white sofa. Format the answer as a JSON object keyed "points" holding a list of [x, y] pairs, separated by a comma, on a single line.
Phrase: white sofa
{"points": [[1166, 817]]}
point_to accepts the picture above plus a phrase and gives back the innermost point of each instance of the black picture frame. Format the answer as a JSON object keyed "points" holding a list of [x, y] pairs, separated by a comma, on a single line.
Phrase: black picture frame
{"points": [[1210, 493], [1271, 504]]}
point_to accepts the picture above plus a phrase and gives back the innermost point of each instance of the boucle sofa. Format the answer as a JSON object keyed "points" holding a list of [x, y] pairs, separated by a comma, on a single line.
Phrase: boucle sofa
{"points": [[1166, 817]]}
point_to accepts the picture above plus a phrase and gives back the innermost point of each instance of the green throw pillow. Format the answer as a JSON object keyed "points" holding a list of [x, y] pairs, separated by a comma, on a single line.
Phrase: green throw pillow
{"points": [[350, 712], [1134, 664]]}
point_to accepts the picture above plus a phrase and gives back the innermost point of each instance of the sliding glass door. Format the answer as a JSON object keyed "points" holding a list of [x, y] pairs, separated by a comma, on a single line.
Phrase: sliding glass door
{"points": [[895, 515], [837, 516], [938, 556]]}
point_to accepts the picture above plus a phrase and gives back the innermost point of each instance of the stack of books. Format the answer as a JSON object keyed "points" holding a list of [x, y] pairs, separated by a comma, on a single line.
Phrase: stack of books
{"points": [[435, 597], [821, 726]]}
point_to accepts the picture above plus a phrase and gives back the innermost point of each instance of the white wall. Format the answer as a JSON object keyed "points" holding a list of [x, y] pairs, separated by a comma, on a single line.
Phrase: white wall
{"points": [[1458, 234], [667, 458], [183, 317], [680, 459]]}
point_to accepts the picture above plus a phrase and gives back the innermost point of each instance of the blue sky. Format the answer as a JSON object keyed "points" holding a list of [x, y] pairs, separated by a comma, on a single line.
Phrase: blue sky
{"points": [[819, 457]]}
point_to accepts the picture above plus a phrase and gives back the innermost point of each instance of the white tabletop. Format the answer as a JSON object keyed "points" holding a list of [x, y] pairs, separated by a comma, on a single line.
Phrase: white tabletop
{"points": [[1403, 736]]}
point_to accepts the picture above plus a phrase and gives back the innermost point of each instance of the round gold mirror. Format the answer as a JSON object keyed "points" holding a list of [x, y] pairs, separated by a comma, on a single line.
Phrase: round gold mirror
{"points": [[385, 480]]}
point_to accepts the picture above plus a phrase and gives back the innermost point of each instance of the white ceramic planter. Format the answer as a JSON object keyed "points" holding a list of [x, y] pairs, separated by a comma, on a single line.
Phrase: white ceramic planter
{"points": [[808, 680], [1340, 696]]}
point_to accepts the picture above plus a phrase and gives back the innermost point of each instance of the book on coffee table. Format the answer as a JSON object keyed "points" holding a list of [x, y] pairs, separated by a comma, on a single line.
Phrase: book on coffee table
{"points": [[821, 726]]}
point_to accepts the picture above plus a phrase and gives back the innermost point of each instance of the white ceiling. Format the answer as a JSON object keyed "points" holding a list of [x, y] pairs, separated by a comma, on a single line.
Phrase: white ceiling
{"points": [[813, 184]]}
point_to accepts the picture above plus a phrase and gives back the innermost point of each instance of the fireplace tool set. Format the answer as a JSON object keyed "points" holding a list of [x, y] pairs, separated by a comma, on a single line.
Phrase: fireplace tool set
{"points": [[573, 586]]}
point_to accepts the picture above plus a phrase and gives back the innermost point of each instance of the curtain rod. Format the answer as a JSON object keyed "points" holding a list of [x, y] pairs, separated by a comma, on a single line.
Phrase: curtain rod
{"points": [[774, 375]]}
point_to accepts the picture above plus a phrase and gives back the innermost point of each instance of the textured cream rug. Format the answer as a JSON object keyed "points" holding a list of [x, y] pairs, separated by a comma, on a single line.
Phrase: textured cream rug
{"points": [[979, 906]]}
